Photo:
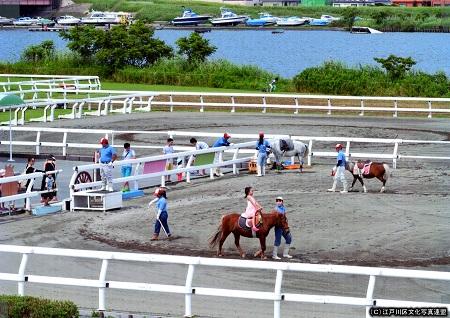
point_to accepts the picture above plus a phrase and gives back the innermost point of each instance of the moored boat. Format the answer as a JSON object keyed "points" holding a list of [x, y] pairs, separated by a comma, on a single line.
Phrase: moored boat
{"points": [[291, 21], [319, 22], [364, 30], [228, 17], [68, 20], [25, 21], [5, 21], [103, 18], [189, 17], [264, 19]]}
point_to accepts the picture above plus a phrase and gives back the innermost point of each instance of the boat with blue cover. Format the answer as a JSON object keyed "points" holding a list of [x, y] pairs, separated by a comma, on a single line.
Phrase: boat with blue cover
{"points": [[264, 19]]}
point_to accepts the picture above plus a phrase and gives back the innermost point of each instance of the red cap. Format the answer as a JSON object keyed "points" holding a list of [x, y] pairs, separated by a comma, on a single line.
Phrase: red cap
{"points": [[226, 136], [261, 134], [159, 191], [103, 141], [339, 146]]}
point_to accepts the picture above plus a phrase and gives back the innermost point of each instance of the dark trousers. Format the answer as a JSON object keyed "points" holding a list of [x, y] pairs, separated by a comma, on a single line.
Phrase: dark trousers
{"points": [[163, 217]]}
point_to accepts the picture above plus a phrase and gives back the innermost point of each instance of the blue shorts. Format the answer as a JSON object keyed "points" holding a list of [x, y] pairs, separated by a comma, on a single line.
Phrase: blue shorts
{"points": [[126, 171]]}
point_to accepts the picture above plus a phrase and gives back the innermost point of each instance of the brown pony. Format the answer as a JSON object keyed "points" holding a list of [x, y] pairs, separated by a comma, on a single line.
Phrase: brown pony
{"points": [[229, 224], [377, 170]]}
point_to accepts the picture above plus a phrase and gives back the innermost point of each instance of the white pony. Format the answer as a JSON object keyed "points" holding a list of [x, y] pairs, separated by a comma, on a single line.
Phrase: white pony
{"points": [[299, 149]]}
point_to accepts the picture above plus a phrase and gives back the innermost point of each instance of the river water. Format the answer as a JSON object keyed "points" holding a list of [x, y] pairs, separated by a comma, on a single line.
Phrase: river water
{"points": [[287, 53]]}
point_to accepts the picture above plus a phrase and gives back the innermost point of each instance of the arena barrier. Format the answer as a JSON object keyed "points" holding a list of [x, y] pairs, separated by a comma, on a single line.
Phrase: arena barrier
{"points": [[187, 168], [318, 146], [262, 102], [29, 193], [276, 294]]}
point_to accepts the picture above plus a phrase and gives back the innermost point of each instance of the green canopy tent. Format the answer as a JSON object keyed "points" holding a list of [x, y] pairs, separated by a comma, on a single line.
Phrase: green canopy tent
{"points": [[10, 101]]}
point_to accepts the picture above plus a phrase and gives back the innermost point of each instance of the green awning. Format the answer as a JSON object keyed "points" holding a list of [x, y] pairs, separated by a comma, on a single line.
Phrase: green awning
{"points": [[7, 100]]}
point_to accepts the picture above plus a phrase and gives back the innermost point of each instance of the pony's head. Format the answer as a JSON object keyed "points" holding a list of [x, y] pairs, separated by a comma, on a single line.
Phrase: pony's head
{"points": [[282, 221]]}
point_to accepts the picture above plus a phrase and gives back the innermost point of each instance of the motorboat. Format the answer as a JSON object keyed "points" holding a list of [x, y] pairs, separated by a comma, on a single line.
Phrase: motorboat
{"points": [[264, 19], [228, 17], [291, 21], [103, 18], [5, 21], [319, 22], [68, 20], [45, 22], [25, 21], [329, 18], [189, 17], [364, 30]]}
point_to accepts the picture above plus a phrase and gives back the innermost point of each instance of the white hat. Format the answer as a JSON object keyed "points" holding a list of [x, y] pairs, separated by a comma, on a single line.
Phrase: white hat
{"points": [[279, 198]]}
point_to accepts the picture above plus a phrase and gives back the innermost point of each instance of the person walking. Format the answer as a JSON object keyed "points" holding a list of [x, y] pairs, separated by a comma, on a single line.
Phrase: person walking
{"points": [[199, 145], [107, 155], [168, 149], [221, 142], [48, 181], [280, 208], [161, 214], [262, 146], [338, 171], [126, 170], [30, 169]]}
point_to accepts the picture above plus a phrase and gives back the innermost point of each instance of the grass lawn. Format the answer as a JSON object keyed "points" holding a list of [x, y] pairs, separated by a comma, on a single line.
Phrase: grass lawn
{"points": [[167, 88]]}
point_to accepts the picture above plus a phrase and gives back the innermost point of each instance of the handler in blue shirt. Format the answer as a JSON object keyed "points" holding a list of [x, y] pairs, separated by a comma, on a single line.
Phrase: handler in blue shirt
{"points": [[262, 146], [280, 208], [107, 156], [221, 142], [339, 170], [162, 215]]}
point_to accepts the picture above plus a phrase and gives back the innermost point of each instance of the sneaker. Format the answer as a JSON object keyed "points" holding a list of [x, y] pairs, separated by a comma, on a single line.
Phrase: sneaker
{"points": [[331, 190], [154, 237], [287, 256], [344, 191], [276, 257]]}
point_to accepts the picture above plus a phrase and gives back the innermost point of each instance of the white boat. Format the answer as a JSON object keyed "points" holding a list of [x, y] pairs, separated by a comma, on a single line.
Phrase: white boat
{"points": [[102, 18], [228, 17], [189, 17], [364, 30], [291, 21], [5, 21], [329, 18], [25, 21], [264, 19], [68, 20]]}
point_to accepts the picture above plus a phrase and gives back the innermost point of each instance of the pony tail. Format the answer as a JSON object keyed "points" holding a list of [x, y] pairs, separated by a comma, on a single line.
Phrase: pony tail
{"points": [[387, 171], [213, 240]]}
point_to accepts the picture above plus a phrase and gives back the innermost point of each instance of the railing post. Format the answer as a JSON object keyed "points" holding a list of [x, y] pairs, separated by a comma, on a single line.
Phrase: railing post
{"points": [[264, 103], [277, 292], [395, 109], [296, 104], [329, 106], [310, 154], [188, 292], [136, 173], [64, 150], [362, 108], [102, 290], [395, 156], [38, 142], [188, 165], [233, 109], [369, 295], [235, 156], [22, 267], [171, 103], [429, 110], [201, 102], [347, 149]]}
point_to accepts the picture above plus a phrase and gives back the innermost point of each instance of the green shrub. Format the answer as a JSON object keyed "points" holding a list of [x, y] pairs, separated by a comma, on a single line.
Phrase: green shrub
{"points": [[32, 307]]}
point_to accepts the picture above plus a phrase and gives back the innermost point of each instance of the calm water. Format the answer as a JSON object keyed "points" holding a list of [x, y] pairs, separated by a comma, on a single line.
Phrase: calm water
{"points": [[287, 53]]}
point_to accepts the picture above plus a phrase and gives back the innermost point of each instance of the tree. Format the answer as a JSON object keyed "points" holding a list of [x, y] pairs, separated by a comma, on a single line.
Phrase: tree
{"points": [[348, 16], [37, 53], [396, 66], [118, 47], [195, 47], [379, 16]]}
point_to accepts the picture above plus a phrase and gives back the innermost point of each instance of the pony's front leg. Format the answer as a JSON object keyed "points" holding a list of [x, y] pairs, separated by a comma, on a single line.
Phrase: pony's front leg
{"points": [[300, 160], [262, 242], [238, 246]]}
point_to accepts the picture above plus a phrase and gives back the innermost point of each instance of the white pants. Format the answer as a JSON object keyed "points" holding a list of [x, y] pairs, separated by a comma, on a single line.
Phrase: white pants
{"points": [[340, 174], [106, 175]]}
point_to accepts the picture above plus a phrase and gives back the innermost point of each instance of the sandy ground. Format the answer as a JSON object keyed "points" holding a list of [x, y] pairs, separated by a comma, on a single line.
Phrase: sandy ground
{"points": [[408, 226]]}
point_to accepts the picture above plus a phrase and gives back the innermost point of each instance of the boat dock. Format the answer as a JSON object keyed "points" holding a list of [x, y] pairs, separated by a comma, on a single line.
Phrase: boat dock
{"points": [[39, 29]]}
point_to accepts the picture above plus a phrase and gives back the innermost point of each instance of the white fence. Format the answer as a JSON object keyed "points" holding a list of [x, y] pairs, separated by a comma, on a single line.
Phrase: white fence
{"points": [[29, 192], [276, 294], [23, 82], [263, 102], [187, 168], [395, 154]]}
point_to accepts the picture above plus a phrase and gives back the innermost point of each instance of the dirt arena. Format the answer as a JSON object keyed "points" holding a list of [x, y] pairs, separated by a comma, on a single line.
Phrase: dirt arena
{"points": [[408, 226]]}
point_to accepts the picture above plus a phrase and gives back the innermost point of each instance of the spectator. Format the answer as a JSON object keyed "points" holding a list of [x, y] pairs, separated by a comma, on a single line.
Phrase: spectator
{"points": [[199, 145], [49, 181], [107, 156], [127, 154], [262, 146], [168, 149], [30, 169], [222, 141]]}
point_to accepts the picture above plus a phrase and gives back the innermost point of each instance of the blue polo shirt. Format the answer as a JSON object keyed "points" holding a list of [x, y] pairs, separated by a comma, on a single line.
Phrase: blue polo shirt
{"points": [[161, 204], [341, 157], [221, 142], [262, 148], [106, 154], [280, 209]]}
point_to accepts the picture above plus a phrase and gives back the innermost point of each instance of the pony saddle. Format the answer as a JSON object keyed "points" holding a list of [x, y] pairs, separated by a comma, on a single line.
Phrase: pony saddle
{"points": [[363, 167], [245, 223], [286, 145]]}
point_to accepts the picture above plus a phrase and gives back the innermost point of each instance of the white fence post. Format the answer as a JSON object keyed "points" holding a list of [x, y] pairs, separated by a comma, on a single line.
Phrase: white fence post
{"points": [[188, 292], [264, 104], [395, 156], [296, 104], [430, 110], [362, 108], [369, 294], [329, 107], [21, 283], [277, 291], [102, 290], [310, 153], [233, 109], [171, 103], [395, 109], [202, 106], [64, 150]]}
